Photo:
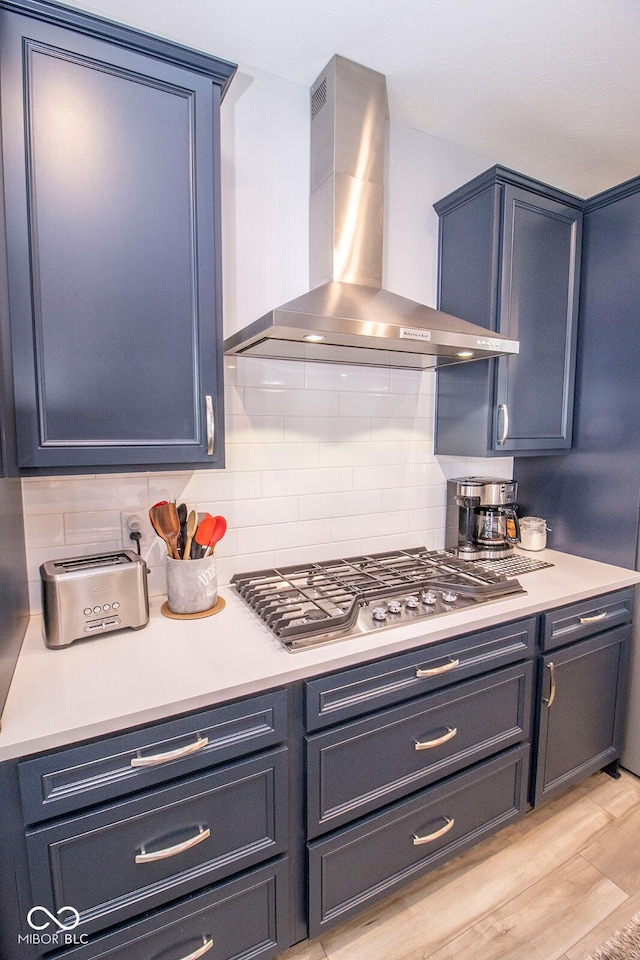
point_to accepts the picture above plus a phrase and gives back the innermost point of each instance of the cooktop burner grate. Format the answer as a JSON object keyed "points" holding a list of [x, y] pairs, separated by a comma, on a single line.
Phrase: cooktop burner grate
{"points": [[313, 603]]}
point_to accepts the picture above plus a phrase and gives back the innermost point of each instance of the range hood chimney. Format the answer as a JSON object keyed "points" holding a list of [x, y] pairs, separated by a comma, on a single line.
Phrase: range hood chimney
{"points": [[347, 317]]}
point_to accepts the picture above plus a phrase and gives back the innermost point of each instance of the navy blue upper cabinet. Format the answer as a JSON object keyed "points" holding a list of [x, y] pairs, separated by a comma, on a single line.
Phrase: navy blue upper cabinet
{"points": [[509, 258], [111, 185]]}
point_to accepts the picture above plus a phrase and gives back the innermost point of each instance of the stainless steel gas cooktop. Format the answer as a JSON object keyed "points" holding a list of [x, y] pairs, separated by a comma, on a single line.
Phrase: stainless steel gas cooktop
{"points": [[308, 604]]}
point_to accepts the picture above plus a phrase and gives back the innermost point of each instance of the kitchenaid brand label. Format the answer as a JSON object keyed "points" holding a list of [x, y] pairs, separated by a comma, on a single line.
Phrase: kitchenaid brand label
{"points": [[411, 333]]}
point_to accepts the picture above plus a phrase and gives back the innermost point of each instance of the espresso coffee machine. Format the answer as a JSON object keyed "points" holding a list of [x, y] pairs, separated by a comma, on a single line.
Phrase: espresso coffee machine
{"points": [[481, 518]]}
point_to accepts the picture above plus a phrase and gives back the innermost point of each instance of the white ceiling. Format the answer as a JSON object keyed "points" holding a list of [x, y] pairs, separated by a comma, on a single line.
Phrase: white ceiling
{"points": [[548, 87]]}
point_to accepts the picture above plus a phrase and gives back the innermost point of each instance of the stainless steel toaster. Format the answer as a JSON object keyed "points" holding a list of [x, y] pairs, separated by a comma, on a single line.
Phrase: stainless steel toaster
{"points": [[88, 596]]}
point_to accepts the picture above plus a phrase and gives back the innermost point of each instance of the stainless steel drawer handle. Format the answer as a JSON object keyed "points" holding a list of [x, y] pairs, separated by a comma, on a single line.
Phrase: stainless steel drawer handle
{"points": [[435, 671], [428, 744], [552, 692], [504, 410], [154, 759], [430, 837], [207, 944], [202, 834], [594, 618], [211, 425]]}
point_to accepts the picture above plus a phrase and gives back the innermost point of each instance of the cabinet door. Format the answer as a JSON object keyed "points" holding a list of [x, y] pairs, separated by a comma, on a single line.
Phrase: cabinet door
{"points": [[509, 260], [581, 710], [111, 190], [538, 306]]}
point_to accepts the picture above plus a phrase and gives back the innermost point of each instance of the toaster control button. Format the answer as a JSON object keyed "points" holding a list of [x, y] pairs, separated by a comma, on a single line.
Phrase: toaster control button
{"points": [[106, 607], [115, 605], [87, 611], [97, 609]]}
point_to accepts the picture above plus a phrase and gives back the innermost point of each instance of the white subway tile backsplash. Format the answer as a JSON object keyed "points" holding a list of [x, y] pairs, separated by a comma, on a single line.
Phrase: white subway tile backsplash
{"points": [[96, 526], [272, 456], [405, 498], [246, 429], [326, 429], [44, 530], [369, 525], [382, 405], [281, 536], [251, 513], [220, 485], [402, 428], [338, 377], [278, 401], [81, 494], [277, 483], [258, 372], [349, 504], [358, 454], [322, 461]]}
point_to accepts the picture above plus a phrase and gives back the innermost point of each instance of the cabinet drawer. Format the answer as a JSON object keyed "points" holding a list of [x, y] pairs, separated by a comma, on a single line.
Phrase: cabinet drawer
{"points": [[138, 854], [239, 918], [356, 768], [580, 620], [60, 783], [361, 864], [353, 692]]}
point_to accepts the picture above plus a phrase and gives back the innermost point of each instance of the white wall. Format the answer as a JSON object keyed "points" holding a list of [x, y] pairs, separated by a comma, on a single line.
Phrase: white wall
{"points": [[322, 460]]}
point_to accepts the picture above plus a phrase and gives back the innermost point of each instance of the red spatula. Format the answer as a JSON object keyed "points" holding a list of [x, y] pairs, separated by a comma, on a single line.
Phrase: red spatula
{"points": [[209, 532]]}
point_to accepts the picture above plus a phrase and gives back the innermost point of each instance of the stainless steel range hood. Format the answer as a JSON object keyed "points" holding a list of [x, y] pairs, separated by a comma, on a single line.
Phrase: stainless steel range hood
{"points": [[347, 317]]}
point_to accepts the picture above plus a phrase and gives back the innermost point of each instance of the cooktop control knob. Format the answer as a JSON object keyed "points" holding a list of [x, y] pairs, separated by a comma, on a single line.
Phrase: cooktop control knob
{"points": [[449, 596], [394, 606], [412, 602], [429, 598], [379, 613]]}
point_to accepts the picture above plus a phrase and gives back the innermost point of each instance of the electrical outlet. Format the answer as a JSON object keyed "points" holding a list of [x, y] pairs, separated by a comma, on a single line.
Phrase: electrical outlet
{"points": [[131, 520]]}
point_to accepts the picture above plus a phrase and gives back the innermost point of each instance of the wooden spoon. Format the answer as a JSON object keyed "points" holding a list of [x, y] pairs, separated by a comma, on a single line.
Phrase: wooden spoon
{"points": [[164, 517], [192, 526]]}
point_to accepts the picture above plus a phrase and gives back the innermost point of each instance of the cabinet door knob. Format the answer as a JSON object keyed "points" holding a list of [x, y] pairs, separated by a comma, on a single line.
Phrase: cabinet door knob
{"points": [[156, 758], [552, 692], [435, 671], [430, 837], [164, 854], [504, 410], [428, 744]]}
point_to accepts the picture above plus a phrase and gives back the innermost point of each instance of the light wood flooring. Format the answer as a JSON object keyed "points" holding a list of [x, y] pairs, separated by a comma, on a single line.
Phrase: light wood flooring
{"points": [[553, 886]]}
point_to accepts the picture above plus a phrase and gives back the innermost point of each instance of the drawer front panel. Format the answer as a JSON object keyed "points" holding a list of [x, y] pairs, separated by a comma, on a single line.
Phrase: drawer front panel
{"points": [[138, 854], [358, 767], [361, 864], [239, 918], [581, 620], [62, 782], [354, 692]]}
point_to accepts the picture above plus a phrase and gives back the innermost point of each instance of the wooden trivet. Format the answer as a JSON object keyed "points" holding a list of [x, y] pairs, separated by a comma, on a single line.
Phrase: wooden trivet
{"points": [[164, 610]]}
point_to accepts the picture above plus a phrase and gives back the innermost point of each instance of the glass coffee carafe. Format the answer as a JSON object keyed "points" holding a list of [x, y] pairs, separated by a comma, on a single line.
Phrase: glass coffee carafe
{"points": [[496, 527]]}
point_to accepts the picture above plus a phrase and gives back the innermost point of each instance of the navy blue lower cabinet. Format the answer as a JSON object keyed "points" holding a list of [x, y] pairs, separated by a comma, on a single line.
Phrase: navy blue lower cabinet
{"points": [[355, 768], [360, 864], [234, 920], [137, 854], [582, 689]]}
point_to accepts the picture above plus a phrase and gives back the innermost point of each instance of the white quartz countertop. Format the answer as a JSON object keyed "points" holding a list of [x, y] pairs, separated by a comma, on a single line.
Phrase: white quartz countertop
{"points": [[102, 685]]}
